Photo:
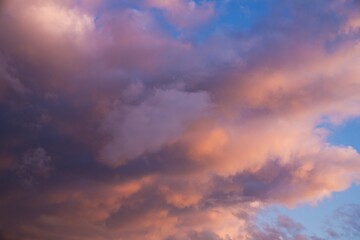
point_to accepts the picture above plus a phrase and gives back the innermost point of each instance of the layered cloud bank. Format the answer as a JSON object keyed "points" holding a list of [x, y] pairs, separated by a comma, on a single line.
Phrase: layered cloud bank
{"points": [[155, 119]]}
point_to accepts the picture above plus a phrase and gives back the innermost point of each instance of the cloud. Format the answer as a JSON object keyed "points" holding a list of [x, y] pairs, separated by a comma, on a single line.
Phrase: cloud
{"points": [[8, 80], [184, 13], [344, 224], [153, 136], [155, 123], [340, 225], [283, 228], [35, 164]]}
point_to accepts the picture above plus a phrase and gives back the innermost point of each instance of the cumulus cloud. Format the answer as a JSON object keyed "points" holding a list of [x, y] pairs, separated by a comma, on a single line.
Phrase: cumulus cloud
{"points": [[149, 135], [156, 122]]}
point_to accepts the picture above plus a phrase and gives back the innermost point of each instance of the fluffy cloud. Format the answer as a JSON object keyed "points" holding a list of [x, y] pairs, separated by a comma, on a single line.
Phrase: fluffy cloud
{"points": [[156, 122], [152, 136]]}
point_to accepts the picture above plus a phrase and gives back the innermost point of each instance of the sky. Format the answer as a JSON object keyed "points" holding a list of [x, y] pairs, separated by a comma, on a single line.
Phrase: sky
{"points": [[179, 120]]}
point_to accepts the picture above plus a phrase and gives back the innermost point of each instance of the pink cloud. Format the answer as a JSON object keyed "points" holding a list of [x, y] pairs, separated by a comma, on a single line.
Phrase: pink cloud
{"points": [[153, 124], [152, 137]]}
